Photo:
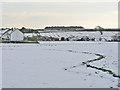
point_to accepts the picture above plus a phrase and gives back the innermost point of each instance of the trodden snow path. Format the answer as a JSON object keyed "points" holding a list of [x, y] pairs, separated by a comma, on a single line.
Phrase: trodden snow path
{"points": [[43, 65]]}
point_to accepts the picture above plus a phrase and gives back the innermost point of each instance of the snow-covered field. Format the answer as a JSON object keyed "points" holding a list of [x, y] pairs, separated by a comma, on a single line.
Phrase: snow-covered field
{"points": [[91, 34], [59, 65]]}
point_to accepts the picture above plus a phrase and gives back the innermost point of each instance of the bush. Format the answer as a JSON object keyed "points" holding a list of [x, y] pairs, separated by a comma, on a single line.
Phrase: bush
{"points": [[67, 39], [62, 39]]}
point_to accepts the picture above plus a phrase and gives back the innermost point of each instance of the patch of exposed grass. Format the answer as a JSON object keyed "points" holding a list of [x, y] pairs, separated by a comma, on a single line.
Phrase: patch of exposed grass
{"points": [[101, 69], [100, 57], [104, 70]]}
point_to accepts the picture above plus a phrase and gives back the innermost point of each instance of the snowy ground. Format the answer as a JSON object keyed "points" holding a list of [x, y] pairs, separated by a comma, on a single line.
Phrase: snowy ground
{"points": [[59, 34], [51, 65]]}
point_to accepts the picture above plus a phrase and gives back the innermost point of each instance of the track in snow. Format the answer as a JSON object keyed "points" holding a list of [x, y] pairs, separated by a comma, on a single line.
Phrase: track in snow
{"points": [[91, 66]]}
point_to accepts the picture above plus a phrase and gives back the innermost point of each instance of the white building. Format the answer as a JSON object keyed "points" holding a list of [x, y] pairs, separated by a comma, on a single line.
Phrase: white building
{"points": [[13, 35]]}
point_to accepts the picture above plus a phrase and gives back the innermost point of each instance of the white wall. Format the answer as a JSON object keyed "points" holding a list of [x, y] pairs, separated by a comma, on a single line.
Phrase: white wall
{"points": [[17, 36]]}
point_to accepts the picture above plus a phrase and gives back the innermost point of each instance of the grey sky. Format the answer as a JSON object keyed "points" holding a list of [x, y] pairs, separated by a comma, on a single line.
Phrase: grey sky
{"points": [[41, 14]]}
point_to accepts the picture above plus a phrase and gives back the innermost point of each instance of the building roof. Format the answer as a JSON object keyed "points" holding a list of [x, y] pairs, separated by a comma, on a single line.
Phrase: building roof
{"points": [[9, 31]]}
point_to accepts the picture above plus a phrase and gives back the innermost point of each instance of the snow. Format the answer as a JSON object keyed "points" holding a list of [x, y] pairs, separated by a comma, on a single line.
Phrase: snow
{"points": [[29, 34], [79, 34], [76, 35], [43, 65], [3, 31]]}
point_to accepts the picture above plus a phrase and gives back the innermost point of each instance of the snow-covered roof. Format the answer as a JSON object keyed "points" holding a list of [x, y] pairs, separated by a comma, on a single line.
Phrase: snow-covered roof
{"points": [[3, 31]]}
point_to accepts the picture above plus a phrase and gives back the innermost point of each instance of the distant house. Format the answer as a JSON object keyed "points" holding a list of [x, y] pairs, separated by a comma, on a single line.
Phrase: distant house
{"points": [[65, 28], [12, 35]]}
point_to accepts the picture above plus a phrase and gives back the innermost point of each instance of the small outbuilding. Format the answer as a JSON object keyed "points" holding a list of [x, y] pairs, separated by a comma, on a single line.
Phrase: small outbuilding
{"points": [[13, 35]]}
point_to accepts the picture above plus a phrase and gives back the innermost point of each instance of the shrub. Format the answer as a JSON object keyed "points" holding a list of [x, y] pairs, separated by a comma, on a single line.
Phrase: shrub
{"points": [[62, 39]]}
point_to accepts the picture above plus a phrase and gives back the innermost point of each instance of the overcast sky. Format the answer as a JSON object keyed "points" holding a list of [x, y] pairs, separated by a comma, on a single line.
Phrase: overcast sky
{"points": [[41, 14]]}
